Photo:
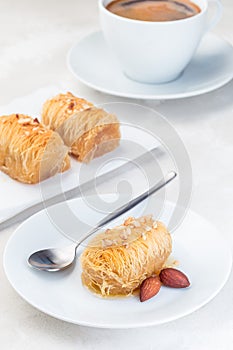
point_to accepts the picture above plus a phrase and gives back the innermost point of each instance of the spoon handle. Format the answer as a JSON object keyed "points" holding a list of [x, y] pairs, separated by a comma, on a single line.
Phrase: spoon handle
{"points": [[131, 204]]}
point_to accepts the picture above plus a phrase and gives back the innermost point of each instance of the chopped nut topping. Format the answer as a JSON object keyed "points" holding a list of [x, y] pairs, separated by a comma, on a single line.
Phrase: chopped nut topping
{"points": [[108, 231], [128, 221], [107, 242], [119, 228], [128, 231], [123, 236], [148, 228], [126, 245], [85, 106], [155, 225], [143, 236], [24, 121], [136, 223], [27, 133]]}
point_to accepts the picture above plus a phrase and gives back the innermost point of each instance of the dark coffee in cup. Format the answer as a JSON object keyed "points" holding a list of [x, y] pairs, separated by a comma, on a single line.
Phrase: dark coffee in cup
{"points": [[154, 10]]}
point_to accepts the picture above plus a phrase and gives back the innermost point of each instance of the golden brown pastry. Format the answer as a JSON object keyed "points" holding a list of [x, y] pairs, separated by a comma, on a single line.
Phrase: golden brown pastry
{"points": [[116, 261], [88, 131], [29, 152]]}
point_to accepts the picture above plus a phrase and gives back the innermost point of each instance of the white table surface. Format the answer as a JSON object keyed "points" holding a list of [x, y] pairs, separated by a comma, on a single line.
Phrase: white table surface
{"points": [[34, 39]]}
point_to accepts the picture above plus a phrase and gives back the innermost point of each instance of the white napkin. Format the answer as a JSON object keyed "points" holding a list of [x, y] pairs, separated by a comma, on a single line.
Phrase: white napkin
{"points": [[15, 196]]}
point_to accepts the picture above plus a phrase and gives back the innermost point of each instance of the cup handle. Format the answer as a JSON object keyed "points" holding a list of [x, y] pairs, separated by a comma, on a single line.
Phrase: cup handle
{"points": [[216, 17]]}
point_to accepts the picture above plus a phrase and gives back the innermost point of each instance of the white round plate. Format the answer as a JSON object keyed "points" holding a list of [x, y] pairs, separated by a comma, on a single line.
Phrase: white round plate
{"points": [[92, 63], [203, 255]]}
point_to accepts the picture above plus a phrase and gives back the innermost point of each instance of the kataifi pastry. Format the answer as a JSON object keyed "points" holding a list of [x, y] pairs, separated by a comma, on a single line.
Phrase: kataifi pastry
{"points": [[30, 152], [117, 261], [89, 131]]}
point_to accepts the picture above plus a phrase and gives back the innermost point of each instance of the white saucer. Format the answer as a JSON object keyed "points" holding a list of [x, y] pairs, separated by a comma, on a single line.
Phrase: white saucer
{"points": [[201, 250], [93, 64]]}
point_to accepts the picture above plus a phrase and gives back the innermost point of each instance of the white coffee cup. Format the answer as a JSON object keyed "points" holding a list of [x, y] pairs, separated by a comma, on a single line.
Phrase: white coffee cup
{"points": [[156, 52]]}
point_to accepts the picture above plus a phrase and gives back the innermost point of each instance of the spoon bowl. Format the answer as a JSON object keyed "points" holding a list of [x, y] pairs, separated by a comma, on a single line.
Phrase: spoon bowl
{"points": [[54, 259]]}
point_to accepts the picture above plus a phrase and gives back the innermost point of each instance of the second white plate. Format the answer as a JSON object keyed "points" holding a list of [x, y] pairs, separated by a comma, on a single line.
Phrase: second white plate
{"points": [[92, 63], [202, 252]]}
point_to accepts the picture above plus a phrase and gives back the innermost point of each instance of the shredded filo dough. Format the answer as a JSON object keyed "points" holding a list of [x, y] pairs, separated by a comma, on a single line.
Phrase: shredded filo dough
{"points": [[116, 261], [29, 152], [88, 131]]}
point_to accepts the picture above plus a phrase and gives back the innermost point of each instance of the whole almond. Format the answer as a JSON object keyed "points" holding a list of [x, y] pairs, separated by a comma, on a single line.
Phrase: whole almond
{"points": [[149, 288], [174, 278]]}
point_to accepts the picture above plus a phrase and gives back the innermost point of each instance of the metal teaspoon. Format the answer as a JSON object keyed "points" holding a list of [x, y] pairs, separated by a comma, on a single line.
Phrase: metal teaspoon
{"points": [[56, 259]]}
